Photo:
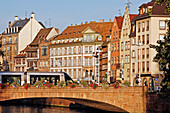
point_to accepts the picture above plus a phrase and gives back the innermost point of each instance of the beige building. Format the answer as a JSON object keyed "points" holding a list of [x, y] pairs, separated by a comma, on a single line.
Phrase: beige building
{"points": [[148, 28], [125, 47], [17, 36], [74, 49]]}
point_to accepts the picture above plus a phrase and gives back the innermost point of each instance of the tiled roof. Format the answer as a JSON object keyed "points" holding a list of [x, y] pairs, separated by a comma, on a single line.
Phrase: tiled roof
{"points": [[119, 21], [104, 28], [132, 16], [42, 34], [159, 9], [20, 23]]}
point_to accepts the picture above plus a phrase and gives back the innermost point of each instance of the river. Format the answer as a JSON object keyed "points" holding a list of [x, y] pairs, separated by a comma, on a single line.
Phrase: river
{"points": [[41, 109]]}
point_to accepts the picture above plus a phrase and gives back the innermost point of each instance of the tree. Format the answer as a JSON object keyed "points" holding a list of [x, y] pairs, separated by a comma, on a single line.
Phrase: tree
{"points": [[167, 2]]}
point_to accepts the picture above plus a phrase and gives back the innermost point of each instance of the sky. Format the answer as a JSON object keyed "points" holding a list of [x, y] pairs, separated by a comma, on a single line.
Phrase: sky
{"points": [[62, 13]]}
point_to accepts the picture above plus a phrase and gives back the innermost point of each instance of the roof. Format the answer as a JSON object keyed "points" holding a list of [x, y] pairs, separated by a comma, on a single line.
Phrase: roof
{"points": [[119, 21], [103, 28], [20, 23], [132, 16], [21, 55], [42, 35]]}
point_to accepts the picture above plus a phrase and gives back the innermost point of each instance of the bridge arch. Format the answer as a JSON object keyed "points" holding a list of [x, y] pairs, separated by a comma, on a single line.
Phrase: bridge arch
{"points": [[121, 99]]}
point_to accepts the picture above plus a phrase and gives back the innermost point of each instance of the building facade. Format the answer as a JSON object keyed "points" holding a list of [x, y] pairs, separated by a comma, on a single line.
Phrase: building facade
{"points": [[74, 49], [17, 36], [125, 45], [36, 54], [115, 49], [148, 27]]}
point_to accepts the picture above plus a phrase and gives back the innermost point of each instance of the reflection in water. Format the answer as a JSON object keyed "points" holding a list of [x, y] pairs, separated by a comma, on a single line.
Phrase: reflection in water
{"points": [[38, 109]]}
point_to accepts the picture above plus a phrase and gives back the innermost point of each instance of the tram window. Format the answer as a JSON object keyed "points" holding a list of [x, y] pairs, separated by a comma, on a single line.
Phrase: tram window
{"points": [[8, 79]]}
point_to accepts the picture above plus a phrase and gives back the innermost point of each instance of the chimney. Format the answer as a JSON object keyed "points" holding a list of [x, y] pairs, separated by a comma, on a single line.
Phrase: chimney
{"points": [[71, 24], [81, 23], [16, 18], [25, 18], [32, 15], [92, 21], [110, 20], [101, 20], [20, 19], [9, 23], [75, 24], [86, 22]]}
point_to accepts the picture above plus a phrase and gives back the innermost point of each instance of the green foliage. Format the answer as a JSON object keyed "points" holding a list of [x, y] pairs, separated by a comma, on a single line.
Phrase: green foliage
{"points": [[15, 84], [38, 84], [126, 83], [105, 85], [61, 84], [83, 83], [167, 2]]}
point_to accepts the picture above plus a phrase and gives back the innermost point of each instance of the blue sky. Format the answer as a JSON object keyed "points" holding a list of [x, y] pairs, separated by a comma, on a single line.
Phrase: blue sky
{"points": [[64, 12]]}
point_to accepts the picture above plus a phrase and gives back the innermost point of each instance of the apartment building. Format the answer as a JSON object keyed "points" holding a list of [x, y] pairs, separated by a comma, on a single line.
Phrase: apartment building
{"points": [[148, 27], [35, 57], [115, 49], [74, 49], [125, 46], [17, 36]]}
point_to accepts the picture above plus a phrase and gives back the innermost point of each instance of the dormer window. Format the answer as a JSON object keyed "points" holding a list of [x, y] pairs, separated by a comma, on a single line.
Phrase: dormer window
{"points": [[100, 38], [79, 32], [69, 33], [74, 33], [65, 34]]}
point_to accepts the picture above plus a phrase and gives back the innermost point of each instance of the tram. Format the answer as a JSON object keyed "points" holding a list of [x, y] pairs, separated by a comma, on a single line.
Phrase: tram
{"points": [[32, 77]]}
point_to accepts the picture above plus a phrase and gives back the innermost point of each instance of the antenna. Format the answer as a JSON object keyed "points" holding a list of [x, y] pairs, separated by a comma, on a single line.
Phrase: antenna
{"points": [[49, 22], [25, 14], [128, 4], [120, 12], [45, 23]]}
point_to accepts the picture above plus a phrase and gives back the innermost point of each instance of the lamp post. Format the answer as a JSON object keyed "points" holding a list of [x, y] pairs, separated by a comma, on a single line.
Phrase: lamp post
{"points": [[97, 55], [139, 44]]}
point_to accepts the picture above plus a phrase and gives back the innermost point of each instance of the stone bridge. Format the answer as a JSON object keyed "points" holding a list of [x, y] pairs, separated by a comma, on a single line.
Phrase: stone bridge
{"points": [[131, 99]]}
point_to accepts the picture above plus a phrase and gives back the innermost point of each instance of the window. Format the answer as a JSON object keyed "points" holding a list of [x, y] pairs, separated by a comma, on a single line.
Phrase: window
{"points": [[139, 39], [88, 40], [147, 28], [162, 25], [74, 50], [112, 48], [113, 35], [23, 61], [90, 61], [40, 64], [85, 38], [126, 58], [147, 52], [92, 37], [4, 41], [133, 67], [10, 40], [115, 47], [8, 49], [86, 49], [86, 61], [118, 59], [138, 27], [143, 39], [44, 50], [147, 66], [16, 40], [118, 46], [133, 54], [114, 60], [100, 38], [147, 36], [161, 37], [143, 66], [122, 46], [143, 53], [90, 49], [143, 26], [69, 50]]}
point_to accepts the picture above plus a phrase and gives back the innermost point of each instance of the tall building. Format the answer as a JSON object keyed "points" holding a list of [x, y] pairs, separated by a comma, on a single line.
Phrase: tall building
{"points": [[17, 36], [74, 49], [125, 45], [148, 27], [115, 49], [35, 57]]}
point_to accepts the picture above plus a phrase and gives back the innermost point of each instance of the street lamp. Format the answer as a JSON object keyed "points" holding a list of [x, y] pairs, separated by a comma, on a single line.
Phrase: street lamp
{"points": [[139, 44], [97, 55]]}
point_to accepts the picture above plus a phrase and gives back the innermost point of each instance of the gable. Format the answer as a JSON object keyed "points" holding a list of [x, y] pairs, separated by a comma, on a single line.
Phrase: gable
{"points": [[88, 30]]}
